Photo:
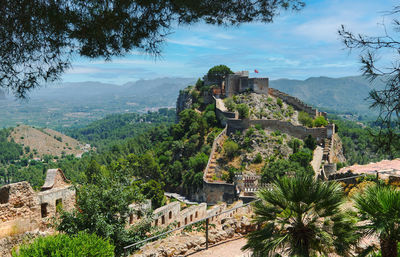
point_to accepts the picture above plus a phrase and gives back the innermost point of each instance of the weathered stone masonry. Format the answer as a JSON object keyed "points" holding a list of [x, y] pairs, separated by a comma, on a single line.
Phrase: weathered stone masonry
{"points": [[22, 209]]}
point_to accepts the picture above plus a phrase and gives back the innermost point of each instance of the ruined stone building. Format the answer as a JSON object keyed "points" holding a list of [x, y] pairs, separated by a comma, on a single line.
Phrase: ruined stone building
{"points": [[22, 209], [240, 82]]}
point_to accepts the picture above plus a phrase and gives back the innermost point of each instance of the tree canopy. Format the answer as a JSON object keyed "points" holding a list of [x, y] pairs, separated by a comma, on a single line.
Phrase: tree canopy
{"points": [[386, 100], [218, 73], [38, 38]]}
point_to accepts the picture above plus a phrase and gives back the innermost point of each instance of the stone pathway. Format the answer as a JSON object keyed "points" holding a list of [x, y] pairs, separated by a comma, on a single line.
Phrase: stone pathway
{"points": [[230, 248], [317, 159], [220, 105]]}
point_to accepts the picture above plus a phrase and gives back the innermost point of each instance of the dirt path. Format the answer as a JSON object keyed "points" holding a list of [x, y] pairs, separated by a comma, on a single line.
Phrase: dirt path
{"points": [[230, 248]]}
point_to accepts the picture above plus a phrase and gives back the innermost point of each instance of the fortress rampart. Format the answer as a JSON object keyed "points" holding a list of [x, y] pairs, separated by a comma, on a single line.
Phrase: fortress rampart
{"points": [[283, 126], [296, 103]]}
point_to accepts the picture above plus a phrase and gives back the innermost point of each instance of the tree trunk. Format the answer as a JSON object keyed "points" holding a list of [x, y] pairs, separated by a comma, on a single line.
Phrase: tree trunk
{"points": [[388, 247]]}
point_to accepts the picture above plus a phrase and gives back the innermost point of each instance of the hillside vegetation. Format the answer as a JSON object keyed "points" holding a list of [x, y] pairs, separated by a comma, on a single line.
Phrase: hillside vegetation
{"points": [[118, 127]]}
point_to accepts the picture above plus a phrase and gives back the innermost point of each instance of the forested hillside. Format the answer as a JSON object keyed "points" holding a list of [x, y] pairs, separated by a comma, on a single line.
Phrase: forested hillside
{"points": [[116, 127], [359, 143]]}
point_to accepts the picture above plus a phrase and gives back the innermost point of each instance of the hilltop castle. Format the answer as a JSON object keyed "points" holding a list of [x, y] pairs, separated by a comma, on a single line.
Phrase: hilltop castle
{"points": [[237, 83]]}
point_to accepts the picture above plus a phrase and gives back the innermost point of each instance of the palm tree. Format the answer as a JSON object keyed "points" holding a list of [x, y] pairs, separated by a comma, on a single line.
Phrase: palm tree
{"points": [[379, 208], [302, 217]]}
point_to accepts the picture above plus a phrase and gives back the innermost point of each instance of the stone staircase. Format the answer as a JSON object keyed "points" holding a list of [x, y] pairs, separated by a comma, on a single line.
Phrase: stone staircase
{"points": [[209, 171], [327, 148]]}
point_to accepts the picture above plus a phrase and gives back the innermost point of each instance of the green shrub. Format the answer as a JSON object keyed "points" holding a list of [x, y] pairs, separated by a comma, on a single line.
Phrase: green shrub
{"points": [[303, 158], [295, 144], [229, 104], [81, 245], [320, 121], [258, 158], [310, 142], [231, 148], [249, 132], [305, 119], [243, 110], [279, 102]]}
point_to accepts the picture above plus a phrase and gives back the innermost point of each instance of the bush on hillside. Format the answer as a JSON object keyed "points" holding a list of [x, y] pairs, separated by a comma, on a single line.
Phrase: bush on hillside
{"points": [[295, 144], [258, 158], [305, 119], [310, 142], [320, 121], [243, 110], [80, 245], [279, 102], [230, 104], [231, 149]]}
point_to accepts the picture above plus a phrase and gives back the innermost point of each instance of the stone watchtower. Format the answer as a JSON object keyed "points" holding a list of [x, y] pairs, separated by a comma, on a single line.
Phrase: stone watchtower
{"points": [[240, 82]]}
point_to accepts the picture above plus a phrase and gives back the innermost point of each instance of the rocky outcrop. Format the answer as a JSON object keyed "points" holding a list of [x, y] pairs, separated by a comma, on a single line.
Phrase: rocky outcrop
{"points": [[338, 155], [9, 243], [184, 101]]}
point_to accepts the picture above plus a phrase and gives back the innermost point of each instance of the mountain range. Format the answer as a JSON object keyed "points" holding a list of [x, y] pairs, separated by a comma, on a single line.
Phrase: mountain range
{"points": [[341, 95], [68, 105]]}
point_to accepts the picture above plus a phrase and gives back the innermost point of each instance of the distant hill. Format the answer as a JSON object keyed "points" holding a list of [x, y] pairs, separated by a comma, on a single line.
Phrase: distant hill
{"points": [[47, 141], [345, 94], [72, 105]]}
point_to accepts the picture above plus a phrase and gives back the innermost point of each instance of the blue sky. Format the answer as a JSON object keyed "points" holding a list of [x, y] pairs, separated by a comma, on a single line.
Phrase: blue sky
{"points": [[297, 45]]}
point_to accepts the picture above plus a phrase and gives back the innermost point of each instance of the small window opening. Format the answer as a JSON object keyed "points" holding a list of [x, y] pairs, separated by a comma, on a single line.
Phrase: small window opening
{"points": [[43, 210], [4, 195], [59, 205]]}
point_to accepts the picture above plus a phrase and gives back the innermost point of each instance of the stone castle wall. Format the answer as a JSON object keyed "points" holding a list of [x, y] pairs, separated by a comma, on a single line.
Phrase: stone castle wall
{"points": [[296, 103], [22, 209], [192, 213], [283, 126], [172, 212], [19, 209], [63, 197], [219, 192], [223, 115], [166, 214], [260, 85]]}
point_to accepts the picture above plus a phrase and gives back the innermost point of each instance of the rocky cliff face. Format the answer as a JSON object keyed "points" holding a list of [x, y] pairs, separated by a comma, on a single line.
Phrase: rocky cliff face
{"points": [[338, 155], [184, 101]]}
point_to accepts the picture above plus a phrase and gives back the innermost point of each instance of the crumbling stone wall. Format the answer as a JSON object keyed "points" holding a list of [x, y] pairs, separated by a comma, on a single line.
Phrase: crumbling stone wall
{"points": [[62, 197], [167, 214], [283, 126], [19, 209], [191, 214], [219, 192], [296, 103]]}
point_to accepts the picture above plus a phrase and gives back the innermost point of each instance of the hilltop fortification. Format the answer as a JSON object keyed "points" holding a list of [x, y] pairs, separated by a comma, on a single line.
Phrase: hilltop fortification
{"points": [[283, 116]]}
